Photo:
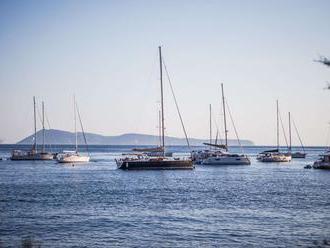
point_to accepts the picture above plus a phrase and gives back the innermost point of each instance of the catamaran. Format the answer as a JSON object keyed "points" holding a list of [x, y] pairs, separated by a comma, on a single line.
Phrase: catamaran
{"points": [[161, 162], [74, 156], [221, 156], [34, 154], [275, 155]]}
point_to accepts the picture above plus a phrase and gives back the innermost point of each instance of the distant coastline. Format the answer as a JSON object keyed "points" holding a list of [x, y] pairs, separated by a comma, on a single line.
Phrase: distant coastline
{"points": [[60, 137]]}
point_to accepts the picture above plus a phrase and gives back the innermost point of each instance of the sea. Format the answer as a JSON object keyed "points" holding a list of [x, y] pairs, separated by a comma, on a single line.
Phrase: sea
{"points": [[46, 204]]}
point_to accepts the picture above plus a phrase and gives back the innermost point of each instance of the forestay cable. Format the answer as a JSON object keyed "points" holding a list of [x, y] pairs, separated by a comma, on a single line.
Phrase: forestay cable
{"points": [[176, 104]]}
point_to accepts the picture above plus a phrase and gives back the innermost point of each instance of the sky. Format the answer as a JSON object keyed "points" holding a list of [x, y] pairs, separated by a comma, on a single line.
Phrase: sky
{"points": [[106, 54]]}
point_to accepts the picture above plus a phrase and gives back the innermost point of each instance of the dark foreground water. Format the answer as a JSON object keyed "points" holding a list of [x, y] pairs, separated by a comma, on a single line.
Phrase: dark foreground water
{"points": [[95, 205]]}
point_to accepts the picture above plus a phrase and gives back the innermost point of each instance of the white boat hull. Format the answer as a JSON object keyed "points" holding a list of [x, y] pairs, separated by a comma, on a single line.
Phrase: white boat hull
{"points": [[73, 158], [227, 160], [274, 158]]}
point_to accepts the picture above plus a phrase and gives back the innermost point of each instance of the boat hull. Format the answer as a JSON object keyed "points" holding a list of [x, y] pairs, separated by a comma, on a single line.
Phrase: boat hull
{"points": [[32, 156], [73, 159], [274, 158], [155, 165], [218, 161], [298, 155], [321, 165]]}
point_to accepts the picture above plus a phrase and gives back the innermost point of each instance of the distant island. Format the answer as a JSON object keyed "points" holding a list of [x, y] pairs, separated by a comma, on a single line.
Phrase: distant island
{"points": [[53, 136]]}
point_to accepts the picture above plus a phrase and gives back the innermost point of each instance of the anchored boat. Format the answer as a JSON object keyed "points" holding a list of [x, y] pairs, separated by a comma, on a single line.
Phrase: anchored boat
{"points": [[75, 156], [275, 155], [221, 156], [160, 161], [34, 154], [323, 162]]}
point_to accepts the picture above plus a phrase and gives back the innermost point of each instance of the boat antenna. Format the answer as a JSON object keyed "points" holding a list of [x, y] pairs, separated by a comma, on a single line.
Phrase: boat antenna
{"points": [[43, 126], [224, 117], [233, 123], [176, 104], [82, 128], [162, 97], [300, 140], [35, 124]]}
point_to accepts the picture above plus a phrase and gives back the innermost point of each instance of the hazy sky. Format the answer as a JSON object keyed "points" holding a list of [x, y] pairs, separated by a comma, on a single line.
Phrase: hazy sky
{"points": [[105, 52]]}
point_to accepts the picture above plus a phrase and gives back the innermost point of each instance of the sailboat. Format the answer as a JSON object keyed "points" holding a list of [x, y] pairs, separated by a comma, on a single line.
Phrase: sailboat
{"points": [[275, 155], [154, 151], [75, 156], [145, 162], [214, 148], [223, 157], [295, 154], [34, 154]]}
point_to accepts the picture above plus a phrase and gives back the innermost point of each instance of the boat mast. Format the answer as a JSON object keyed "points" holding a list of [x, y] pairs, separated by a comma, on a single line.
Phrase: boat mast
{"points": [[278, 129], [43, 127], [75, 122], [162, 97], [160, 128], [290, 140], [35, 124], [224, 117], [210, 124]]}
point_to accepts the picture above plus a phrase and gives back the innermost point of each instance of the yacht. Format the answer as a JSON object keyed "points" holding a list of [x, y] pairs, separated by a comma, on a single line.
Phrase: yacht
{"points": [[275, 155], [34, 154], [222, 156], [323, 162], [74, 156], [161, 162]]}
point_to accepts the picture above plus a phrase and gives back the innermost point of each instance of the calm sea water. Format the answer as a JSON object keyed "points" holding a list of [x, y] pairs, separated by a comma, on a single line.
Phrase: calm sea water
{"points": [[95, 205]]}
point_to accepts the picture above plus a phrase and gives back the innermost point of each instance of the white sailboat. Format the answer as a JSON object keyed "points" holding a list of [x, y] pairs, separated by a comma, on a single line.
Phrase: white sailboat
{"points": [[220, 157], [275, 155], [74, 156]]}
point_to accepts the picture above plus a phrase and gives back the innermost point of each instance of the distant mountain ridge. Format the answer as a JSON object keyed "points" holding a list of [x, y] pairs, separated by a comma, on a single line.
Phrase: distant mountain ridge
{"points": [[54, 136]]}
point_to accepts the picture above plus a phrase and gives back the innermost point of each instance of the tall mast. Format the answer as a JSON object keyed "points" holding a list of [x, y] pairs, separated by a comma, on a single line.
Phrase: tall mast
{"points": [[162, 97], [277, 127], [290, 141], [35, 124], [43, 127], [160, 127], [210, 124], [75, 122], [224, 117]]}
